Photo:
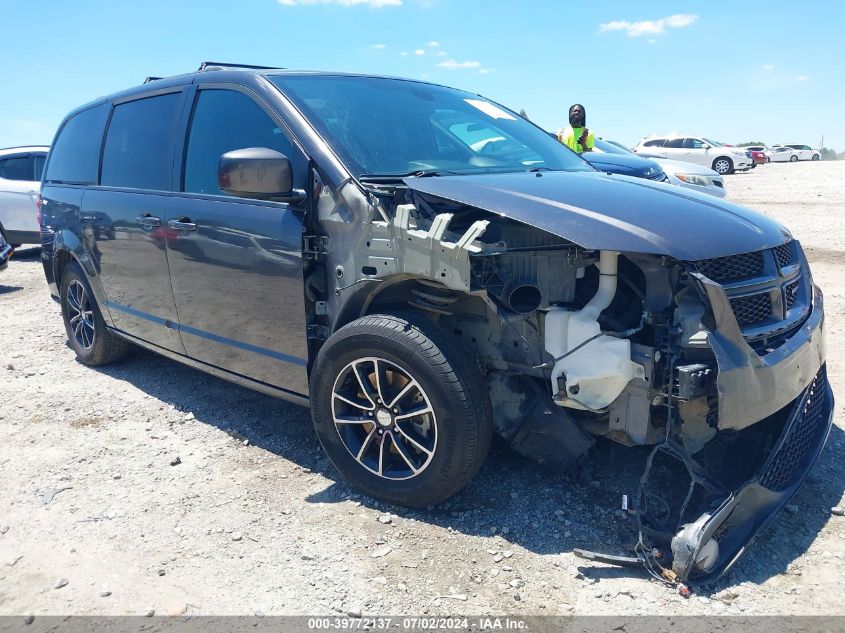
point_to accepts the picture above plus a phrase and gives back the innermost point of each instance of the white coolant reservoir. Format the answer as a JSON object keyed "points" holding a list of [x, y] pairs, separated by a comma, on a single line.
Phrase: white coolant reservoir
{"points": [[597, 366]]}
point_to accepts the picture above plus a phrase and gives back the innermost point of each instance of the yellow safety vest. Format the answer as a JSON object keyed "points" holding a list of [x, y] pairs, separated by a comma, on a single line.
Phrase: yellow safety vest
{"points": [[570, 136]]}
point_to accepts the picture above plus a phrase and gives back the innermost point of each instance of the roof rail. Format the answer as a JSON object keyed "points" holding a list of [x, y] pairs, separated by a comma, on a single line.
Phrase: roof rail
{"points": [[3, 149], [217, 65], [149, 79]]}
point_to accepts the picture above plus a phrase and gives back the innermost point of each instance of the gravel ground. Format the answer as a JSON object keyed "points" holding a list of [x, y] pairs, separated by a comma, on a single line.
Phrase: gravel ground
{"points": [[149, 486]]}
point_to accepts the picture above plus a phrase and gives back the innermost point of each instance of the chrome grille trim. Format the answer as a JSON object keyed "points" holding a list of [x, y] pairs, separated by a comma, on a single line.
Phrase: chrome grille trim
{"points": [[768, 291]]}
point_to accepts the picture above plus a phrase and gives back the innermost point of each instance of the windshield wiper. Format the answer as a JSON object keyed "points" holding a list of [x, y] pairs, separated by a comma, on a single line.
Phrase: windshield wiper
{"points": [[419, 173]]}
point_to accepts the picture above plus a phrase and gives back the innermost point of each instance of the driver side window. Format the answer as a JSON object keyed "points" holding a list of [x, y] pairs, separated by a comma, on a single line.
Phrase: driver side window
{"points": [[226, 120]]}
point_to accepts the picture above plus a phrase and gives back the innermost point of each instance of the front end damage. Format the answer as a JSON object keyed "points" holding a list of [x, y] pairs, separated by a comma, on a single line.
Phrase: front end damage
{"points": [[718, 363]]}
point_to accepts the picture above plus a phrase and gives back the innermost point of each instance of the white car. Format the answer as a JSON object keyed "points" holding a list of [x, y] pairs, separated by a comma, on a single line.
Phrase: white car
{"points": [[699, 150], [20, 182], [805, 152], [783, 154], [680, 173]]}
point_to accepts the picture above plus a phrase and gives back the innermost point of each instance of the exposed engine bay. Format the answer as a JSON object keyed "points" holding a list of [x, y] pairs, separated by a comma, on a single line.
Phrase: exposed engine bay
{"points": [[717, 363]]}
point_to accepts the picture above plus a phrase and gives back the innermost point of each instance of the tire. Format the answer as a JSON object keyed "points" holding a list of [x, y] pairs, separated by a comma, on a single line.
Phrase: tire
{"points": [[723, 166], [436, 372], [816, 157], [88, 336], [793, 159]]}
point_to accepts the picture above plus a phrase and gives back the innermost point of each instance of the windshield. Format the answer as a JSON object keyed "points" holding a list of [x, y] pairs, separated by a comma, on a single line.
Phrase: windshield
{"points": [[714, 143], [392, 127], [611, 148]]}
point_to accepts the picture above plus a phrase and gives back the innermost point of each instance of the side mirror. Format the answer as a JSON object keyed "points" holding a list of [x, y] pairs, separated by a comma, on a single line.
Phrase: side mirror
{"points": [[257, 172], [705, 146]]}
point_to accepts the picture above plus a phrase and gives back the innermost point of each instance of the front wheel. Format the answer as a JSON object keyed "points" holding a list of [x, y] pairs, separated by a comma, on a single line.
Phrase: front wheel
{"points": [[723, 166], [816, 157], [87, 333], [400, 409]]}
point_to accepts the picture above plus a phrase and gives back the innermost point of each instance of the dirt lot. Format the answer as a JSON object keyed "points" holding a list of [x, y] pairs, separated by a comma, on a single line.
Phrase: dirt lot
{"points": [[151, 486]]}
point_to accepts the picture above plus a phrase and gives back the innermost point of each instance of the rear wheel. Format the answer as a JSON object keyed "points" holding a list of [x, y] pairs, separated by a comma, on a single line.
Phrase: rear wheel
{"points": [[400, 409], [87, 333], [793, 159], [723, 165]]}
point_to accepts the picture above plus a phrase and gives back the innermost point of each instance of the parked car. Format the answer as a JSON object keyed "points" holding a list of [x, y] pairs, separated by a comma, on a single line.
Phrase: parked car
{"points": [[783, 155], [5, 252], [677, 172], [20, 179], [699, 150], [758, 156], [421, 295], [611, 159], [759, 148], [805, 152]]}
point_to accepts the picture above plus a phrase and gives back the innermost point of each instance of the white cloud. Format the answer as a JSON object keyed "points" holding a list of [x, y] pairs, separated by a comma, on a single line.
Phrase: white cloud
{"points": [[451, 64], [373, 4], [802, 77], [433, 44], [652, 41], [440, 54], [768, 66], [419, 51], [377, 46], [649, 27], [404, 53], [486, 71]]}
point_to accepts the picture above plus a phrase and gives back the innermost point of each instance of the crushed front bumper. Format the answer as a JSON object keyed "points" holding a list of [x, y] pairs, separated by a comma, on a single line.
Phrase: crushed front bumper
{"points": [[747, 510]]}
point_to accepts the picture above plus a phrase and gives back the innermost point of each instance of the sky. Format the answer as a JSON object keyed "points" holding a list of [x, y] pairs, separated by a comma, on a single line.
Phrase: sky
{"points": [[757, 70]]}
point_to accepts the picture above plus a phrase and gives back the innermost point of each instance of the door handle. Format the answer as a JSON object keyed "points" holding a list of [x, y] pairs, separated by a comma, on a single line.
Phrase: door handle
{"points": [[148, 221], [182, 224]]}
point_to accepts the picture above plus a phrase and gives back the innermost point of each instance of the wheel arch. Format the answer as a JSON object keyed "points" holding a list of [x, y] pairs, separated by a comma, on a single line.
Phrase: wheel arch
{"points": [[388, 295], [67, 249]]}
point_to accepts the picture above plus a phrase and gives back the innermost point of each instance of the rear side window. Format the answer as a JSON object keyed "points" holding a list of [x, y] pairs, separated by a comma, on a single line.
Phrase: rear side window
{"points": [[139, 143], [655, 143], [76, 150], [17, 168], [226, 120]]}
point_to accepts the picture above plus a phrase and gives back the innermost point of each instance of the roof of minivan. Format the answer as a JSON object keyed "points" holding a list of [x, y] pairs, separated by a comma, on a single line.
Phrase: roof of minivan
{"points": [[228, 75]]}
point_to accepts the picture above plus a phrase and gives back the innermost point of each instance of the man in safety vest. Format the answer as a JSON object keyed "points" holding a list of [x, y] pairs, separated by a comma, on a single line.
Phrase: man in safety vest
{"points": [[577, 137]]}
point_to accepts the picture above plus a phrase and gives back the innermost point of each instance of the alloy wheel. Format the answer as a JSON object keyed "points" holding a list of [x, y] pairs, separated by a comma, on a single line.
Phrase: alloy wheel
{"points": [[384, 418], [722, 166], [80, 314]]}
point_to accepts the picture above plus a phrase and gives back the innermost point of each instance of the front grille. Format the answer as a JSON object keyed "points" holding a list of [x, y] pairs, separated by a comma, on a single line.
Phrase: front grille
{"points": [[800, 438], [790, 294], [784, 254], [732, 268], [752, 310]]}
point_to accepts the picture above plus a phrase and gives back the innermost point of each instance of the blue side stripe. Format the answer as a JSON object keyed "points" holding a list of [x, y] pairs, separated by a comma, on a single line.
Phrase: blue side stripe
{"points": [[285, 358]]}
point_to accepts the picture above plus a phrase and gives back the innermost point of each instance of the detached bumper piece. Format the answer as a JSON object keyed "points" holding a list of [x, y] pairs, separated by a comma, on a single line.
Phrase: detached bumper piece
{"points": [[706, 548]]}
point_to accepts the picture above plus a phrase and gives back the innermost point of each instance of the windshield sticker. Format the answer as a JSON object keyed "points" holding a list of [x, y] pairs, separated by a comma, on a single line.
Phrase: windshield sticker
{"points": [[489, 109]]}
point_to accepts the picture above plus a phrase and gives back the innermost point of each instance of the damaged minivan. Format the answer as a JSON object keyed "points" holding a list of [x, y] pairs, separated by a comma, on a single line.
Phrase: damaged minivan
{"points": [[425, 268]]}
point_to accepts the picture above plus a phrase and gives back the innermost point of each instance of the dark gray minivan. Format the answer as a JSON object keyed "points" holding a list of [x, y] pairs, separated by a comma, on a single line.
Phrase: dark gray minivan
{"points": [[424, 268]]}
